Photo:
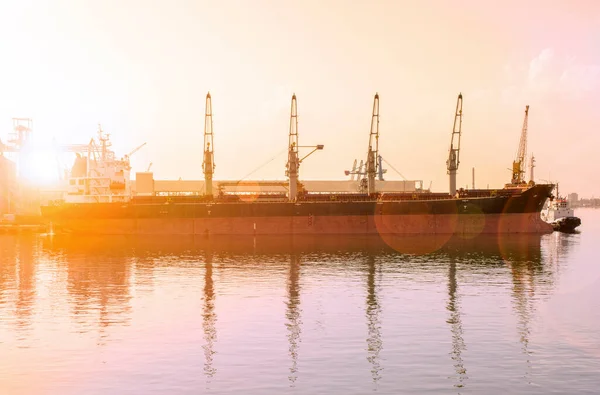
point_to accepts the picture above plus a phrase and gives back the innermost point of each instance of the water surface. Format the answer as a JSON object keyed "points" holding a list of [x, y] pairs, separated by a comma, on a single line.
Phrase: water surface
{"points": [[272, 315]]}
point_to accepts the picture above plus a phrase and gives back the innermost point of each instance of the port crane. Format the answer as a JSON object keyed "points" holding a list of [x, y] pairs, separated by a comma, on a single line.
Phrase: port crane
{"points": [[453, 156], [358, 171], [294, 160], [518, 167], [19, 137], [208, 164], [355, 171]]}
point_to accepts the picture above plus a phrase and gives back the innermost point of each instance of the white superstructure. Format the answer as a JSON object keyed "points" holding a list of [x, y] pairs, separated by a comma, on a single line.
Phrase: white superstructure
{"points": [[556, 209], [99, 176]]}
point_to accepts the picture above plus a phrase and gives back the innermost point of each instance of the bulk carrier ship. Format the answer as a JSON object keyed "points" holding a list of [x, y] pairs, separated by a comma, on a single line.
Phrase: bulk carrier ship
{"points": [[100, 201]]}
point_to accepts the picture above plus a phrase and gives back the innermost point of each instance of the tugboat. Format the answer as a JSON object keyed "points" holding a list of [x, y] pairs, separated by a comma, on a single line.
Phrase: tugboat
{"points": [[560, 215]]}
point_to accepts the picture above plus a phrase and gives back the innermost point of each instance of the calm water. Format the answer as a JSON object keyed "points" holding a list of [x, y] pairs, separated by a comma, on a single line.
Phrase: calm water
{"points": [[307, 316]]}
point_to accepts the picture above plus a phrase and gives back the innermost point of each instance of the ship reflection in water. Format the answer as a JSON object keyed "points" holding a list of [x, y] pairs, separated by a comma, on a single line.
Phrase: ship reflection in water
{"points": [[293, 314], [458, 343], [209, 316], [258, 315], [374, 343]]}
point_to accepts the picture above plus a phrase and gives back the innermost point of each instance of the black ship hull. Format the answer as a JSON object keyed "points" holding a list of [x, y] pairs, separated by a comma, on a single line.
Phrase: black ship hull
{"points": [[566, 224], [474, 212]]}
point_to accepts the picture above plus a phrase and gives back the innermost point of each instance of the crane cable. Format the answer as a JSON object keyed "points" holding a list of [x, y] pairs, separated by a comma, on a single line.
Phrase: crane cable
{"points": [[282, 151], [263, 165], [388, 163]]}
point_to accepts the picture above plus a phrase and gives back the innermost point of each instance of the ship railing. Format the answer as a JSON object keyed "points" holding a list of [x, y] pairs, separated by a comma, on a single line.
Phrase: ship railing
{"points": [[403, 196], [482, 193], [101, 198], [191, 198]]}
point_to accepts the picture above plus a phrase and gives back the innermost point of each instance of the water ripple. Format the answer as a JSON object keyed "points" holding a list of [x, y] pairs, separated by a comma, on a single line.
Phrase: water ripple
{"points": [[300, 315]]}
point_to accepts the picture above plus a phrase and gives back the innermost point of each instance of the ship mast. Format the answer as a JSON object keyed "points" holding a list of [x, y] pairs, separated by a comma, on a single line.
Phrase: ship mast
{"points": [[373, 153], [208, 165], [531, 167], [453, 157], [518, 169], [104, 143]]}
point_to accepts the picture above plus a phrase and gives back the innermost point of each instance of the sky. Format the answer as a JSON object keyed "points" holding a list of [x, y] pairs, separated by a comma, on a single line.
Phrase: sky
{"points": [[142, 69]]}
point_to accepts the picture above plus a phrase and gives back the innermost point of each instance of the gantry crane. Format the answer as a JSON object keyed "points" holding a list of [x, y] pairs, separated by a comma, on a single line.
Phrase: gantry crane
{"points": [[373, 152], [354, 170], [293, 163], [208, 164], [453, 157], [19, 137], [357, 171], [518, 167]]}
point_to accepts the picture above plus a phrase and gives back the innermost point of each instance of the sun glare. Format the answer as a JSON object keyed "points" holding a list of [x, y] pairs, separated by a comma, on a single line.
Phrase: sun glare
{"points": [[39, 167]]}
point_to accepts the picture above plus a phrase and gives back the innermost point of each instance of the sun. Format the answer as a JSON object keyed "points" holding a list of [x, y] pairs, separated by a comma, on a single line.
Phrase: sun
{"points": [[39, 167]]}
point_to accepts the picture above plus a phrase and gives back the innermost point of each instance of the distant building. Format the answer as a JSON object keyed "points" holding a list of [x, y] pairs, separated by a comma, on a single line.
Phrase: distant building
{"points": [[573, 197]]}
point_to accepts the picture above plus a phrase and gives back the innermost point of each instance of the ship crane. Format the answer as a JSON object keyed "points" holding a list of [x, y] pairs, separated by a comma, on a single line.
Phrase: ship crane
{"points": [[373, 164], [139, 147], [453, 157], [518, 168], [208, 164], [293, 163], [373, 152]]}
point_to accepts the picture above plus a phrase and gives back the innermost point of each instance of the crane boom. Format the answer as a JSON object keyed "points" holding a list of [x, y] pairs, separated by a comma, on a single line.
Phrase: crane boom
{"points": [[518, 170], [453, 156], [139, 147], [208, 164], [373, 152], [293, 162]]}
